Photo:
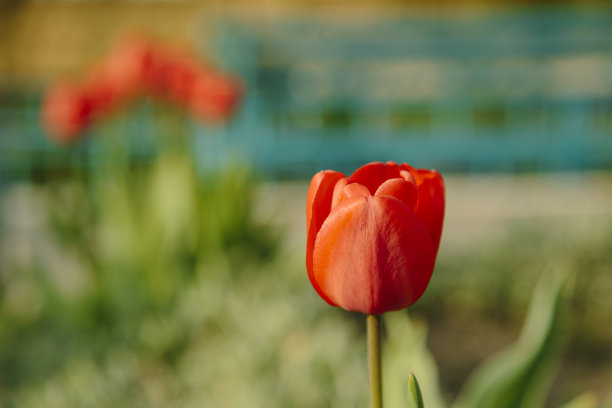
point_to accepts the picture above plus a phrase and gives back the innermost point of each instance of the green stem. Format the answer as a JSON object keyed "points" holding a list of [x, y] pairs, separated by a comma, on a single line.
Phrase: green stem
{"points": [[374, 361]]}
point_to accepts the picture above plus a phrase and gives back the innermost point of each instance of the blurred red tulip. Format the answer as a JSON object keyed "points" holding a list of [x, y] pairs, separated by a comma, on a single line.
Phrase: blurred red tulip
{"points": [[373, 237], [182, 74], [134, 67], [66, 111], [214, 96], [101, 92], [155, 79], [128, 66]]}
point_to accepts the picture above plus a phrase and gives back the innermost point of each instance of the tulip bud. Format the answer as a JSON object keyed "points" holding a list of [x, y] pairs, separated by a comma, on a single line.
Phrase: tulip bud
{"points": [[373, 237], [66, 111], [214, 96], [127, 67]]}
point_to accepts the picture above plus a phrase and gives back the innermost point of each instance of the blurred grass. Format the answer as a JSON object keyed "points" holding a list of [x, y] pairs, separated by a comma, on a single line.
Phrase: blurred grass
{"points": [[182, 302], [159, 285], [482, 293]]}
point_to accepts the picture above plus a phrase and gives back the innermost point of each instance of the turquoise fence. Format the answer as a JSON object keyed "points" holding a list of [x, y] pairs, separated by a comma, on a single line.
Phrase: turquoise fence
{"points": [[523, 90], [514, 90]]}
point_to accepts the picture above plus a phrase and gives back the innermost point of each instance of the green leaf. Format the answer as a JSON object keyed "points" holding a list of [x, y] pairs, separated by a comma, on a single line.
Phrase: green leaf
{"points": [[586, 400], [520, 376], [415, 399]]}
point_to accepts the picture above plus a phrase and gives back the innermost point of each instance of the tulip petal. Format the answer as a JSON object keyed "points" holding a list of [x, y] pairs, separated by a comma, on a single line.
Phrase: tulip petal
{"points": [[406, 175], [372, 255], [431, 202], [338, 190], [349, 191], [66, 112], [370, 175], [401, 189], [318, 206]]}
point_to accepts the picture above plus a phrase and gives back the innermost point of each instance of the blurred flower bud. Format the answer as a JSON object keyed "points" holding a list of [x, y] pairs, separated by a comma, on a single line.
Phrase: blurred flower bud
{"points": [[128, 66], [214, 96], [66, 111]]}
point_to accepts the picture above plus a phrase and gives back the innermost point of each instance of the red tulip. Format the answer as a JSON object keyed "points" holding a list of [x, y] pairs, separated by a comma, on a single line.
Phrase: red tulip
{"points": [[135, 67], [182, 73], [102, 93], [66, 112], [127, 67], [373, 237], [158, 71], [214, 96]]}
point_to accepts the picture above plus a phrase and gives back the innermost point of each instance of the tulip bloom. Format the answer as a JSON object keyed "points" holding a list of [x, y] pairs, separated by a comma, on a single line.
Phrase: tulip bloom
{"points": [[66, 111], [373, 237], [135, 67], [214, 96]]}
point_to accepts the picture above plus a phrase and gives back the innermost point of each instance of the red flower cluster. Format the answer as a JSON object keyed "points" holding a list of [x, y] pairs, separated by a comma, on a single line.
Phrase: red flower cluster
{"points": [[135, 67], [373, 237]]}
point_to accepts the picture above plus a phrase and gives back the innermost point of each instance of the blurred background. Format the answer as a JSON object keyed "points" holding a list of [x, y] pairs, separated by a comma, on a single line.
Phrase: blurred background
{"points": [[157, 260]]}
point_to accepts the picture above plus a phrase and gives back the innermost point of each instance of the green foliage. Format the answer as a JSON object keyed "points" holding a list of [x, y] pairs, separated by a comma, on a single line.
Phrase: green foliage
{"points": [[495, 277], [586, 400], [405, 349], [415, 399], [228, 341], [153, 284], [130, 240], [521, 375]]}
